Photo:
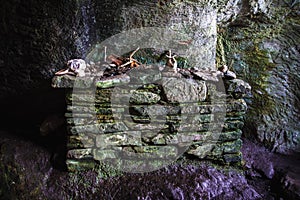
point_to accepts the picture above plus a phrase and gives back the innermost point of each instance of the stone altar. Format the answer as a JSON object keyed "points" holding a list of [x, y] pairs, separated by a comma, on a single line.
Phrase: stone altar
{"points": [[150, 116]]}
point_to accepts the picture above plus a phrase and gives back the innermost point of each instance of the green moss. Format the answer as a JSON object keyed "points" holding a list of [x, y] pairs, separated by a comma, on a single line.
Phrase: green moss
{"points": [[106, 171], [103, 170], [260, 66], [253, 64], [220, 52], [225, 47], [183, 62]]}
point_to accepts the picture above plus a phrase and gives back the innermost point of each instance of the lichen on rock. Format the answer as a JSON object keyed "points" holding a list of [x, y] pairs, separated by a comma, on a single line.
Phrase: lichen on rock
{"points": [[260, 46]]}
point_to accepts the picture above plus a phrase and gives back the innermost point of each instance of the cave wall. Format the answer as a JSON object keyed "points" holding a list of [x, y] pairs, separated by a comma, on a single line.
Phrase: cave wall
{"points": [[38, 38], [261, 44]]}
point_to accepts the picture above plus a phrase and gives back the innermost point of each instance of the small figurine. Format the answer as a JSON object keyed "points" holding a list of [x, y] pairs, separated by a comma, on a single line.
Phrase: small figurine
{"points": [[229, 75], [76, 67], [172, 62], [223, 68]]}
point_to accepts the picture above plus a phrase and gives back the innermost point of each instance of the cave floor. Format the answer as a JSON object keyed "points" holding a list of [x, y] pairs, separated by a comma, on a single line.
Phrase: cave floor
{"points": [[26, 171], [277, 173]]}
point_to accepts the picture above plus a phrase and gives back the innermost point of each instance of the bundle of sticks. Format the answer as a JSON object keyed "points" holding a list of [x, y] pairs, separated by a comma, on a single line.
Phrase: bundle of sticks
{"points": [[117, 61]]}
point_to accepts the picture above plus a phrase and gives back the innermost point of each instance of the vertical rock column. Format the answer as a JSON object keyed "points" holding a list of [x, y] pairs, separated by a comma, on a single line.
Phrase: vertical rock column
{"points": [[194, 22]]}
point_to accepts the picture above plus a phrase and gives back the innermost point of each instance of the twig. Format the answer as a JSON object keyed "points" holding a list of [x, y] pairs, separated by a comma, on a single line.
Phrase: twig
{"points": [[185, 42], [131, 55], [132, 62], [65, 71], [105, 55]]}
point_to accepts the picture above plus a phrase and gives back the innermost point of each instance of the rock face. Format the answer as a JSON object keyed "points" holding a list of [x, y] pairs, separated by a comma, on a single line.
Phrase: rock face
{"points": [[281, 170], [38, 38], [184, 90], [228, 10], [161, 119], [193, 21], [269, 63]]}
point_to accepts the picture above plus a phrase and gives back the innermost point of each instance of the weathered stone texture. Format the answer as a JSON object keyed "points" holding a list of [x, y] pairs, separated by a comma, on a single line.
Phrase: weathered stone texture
{"points": [[190, 21], [184, 90], [262, 45], [228, 10], [164, 116], [36, 39]]}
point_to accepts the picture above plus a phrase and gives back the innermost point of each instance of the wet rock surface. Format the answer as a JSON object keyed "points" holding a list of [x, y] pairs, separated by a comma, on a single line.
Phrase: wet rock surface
{"points": [[281, 171]]}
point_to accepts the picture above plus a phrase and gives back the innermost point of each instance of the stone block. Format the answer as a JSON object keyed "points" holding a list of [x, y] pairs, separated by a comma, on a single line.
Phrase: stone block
{"points": [[184, 90], [153, 110], [230, 135], [81, 141], [80, 154], [99, 128], [114, 81], [75, 165], [202, 150], [68, 81], [106, 154], [118, 139], [141, 97], [231, 147]]}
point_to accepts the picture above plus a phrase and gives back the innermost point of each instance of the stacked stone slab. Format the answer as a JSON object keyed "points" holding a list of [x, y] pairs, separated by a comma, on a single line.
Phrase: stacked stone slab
{"points": [[152, 117]]}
